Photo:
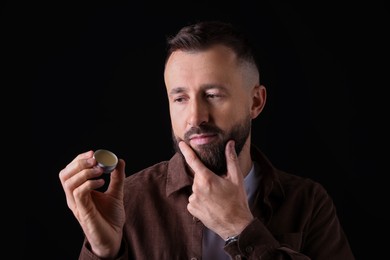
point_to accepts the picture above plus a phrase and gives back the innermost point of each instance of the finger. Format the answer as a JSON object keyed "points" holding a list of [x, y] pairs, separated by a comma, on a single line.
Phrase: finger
{"points": [[191, 205], [117, 178], [85, 155], [78, 172], [233, 168], [192, 159], [83, 176], [87, 178], [82, 161], [82, 204]]}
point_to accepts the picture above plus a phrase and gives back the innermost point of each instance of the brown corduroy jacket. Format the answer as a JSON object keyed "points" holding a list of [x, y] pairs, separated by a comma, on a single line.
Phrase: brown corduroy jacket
{"points": [[295, 218]]}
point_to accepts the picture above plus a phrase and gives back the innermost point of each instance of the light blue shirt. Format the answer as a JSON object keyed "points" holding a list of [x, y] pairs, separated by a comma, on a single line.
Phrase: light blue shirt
{"points": [[212, 243]]}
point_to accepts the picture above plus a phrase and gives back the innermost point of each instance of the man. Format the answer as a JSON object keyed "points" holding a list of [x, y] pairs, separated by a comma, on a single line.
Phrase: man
{"points": [[218, 197]]}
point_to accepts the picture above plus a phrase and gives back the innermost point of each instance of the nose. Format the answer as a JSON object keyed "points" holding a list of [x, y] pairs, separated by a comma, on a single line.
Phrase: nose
{"points": [[198, 113]]}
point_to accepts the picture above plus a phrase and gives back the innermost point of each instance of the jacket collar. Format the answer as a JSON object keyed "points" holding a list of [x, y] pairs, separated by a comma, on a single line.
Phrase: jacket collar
{"points": [[179, 177]]}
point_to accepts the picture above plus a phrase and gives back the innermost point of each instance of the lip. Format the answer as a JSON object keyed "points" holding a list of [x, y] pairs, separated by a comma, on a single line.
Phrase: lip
{"points": [[199, 139]]}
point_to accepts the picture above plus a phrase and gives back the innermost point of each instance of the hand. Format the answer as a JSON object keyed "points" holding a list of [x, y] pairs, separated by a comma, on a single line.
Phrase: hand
{"points": [[101, 215], [220, 202]]}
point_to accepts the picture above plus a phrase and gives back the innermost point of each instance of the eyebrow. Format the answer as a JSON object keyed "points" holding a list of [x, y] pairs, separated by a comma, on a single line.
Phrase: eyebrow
{"points": [[178, 90]]}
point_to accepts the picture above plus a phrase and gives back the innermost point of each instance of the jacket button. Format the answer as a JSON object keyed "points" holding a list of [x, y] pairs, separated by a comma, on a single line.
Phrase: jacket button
{"points": [[237, 257], [249, 249]]}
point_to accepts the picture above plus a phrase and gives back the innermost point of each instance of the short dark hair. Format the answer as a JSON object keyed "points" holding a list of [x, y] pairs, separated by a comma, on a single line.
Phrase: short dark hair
{"points": [[202, 35]]}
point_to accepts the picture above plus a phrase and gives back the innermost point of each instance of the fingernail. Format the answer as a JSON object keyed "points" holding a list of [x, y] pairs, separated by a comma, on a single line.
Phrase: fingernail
{"points": [[233, 149]]}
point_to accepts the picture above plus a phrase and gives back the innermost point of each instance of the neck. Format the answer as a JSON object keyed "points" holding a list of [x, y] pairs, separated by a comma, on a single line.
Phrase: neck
{"points": [[245, 159]]}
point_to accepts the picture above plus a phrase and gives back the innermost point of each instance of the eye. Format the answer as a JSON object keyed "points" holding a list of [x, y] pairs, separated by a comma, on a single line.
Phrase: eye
{"points": [[179, 99], [213, 96]]}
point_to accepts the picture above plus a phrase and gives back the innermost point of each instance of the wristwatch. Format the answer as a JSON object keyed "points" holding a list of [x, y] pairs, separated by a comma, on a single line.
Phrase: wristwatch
{"points": [[231, 239]]}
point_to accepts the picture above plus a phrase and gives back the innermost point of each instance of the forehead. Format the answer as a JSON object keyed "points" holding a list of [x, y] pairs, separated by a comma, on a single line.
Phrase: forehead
{"points": [[215, 64]]}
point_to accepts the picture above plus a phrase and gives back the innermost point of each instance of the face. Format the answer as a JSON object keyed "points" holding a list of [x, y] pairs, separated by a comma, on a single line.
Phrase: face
{"points": [[210, 102]]}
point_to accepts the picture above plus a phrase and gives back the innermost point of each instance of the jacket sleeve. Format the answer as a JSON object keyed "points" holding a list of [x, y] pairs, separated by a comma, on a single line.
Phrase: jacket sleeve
{"points": [[256, 242], [87, 254], [322, 237]]}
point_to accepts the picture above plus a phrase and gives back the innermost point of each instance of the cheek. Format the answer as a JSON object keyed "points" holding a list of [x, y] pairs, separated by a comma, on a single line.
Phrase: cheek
{"points": [[230, 117], [178, 123], [228, 112], [240, 108]]}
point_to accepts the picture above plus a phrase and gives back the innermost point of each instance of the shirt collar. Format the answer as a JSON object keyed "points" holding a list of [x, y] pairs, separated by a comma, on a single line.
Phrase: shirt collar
{"points": [[179, 176]]}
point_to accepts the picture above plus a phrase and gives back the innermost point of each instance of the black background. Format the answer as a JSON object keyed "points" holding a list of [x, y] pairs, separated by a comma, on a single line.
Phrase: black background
{"points": [[89, 75]]}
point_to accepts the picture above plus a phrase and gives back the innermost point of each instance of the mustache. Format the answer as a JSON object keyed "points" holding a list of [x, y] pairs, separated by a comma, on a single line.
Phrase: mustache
{"points": [[203, 129]]}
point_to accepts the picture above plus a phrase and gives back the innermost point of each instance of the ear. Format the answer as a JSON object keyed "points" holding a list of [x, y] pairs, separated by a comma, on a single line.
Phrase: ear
{"points": [[259, 97]]}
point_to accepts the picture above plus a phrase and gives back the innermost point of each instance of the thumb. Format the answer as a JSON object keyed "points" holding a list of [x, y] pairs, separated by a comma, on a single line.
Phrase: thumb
{"points": [[233, 167], [117, 177]]}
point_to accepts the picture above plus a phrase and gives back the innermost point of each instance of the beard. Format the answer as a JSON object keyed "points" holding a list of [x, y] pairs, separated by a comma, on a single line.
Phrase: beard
{"points": [[213, 155]]}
